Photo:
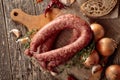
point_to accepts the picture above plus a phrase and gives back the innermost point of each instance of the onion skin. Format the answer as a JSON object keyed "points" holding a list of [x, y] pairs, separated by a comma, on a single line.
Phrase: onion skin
{"points": [[93, 59], [106, 46], [98, 31], [113, 72]]}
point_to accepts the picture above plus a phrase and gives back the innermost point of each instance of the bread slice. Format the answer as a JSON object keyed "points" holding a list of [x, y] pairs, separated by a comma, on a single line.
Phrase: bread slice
{"points": [[98, 8]]}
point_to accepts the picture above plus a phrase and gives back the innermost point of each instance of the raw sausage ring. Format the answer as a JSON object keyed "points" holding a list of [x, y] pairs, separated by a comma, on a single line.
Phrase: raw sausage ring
{"points": [[50, 59]]}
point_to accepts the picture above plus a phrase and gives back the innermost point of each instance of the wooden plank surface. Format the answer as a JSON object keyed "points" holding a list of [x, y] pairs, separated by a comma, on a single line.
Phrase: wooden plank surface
{"points": [[14, 65], [20, 66], [5, 67]]}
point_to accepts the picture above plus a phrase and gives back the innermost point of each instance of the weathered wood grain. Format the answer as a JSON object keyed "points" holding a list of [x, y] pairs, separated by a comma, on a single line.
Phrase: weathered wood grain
{"points": [[21, 66], [22, 69], [14, 65], [5, 67]]}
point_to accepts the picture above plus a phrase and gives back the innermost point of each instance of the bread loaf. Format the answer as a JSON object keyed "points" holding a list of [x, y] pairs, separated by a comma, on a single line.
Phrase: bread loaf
{"points": [[98, 8]]}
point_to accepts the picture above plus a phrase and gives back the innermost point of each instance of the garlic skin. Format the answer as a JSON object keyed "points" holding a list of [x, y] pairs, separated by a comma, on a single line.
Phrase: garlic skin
{"points": [[16, 32], [96, 72], [53, 73], [23, 40], [64, 1], [96, 68], [67, 2]]}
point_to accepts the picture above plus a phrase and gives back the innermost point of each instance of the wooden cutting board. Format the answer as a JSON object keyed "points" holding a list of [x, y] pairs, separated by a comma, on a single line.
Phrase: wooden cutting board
{"points": [[32, 21]]}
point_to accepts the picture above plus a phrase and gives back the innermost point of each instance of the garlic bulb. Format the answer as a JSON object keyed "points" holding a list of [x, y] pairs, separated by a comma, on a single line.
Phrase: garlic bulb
{"points": [[96, 68], [96, 72], [67, 2], [16, 32], [23, 40], [53, 73]]}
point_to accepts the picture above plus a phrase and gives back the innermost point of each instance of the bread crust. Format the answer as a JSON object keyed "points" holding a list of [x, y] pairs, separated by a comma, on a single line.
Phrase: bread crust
{"points": [[98, 8]]}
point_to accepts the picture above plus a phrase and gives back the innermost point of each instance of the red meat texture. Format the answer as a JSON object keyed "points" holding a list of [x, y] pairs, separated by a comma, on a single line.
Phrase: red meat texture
{"points": [[43, 40]]}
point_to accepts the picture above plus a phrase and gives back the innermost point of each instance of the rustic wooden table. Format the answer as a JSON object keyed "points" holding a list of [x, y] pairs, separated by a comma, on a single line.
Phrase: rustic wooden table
{"points": [[14, 65]]}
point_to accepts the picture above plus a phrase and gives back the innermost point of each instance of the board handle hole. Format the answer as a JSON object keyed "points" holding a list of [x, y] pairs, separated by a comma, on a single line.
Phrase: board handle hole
{"points": [[15, 14]]}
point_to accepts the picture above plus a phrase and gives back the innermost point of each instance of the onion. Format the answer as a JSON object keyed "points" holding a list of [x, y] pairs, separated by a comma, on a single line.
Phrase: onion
{"points": [[113, 72], [98, 31], [106, 46], [93, 59]]}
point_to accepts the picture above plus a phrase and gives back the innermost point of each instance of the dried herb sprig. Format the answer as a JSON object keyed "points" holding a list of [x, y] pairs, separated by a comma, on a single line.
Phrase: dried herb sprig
{"points": [[76, 61], [81, 56], [86, 51], [29, 34]]}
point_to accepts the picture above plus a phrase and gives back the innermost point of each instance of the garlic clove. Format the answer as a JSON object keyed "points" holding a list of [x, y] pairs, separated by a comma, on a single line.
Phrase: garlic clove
{"points": [[64, 1], [96, 68], [23, 40], [67, 2], [16, 32], [96, 72], [53, 73]]}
